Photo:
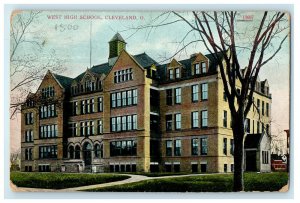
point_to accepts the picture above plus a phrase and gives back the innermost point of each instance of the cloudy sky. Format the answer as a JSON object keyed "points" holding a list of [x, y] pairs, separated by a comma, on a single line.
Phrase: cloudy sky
{"points": [[68, 34]]}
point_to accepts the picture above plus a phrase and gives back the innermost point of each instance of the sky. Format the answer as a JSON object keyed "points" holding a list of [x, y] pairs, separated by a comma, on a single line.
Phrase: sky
{"points": [[68, 33]]}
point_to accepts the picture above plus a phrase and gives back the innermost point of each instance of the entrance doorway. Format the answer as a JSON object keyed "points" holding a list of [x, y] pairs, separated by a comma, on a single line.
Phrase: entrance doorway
{"points": [[251, 161], [87, 154]]}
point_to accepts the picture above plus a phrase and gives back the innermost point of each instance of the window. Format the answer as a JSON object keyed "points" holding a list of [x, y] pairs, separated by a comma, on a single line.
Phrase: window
{"points": [[77, 152], [204, 118], [171, 74], [195, 93], [98, 151], [47, 111], [71, 152], [119, 101], [267, 109], [124, 123], [258, 106], [225, 146], [224, 96], [169, 97], [48, 131], [73, 129], [28, 136], [177, 167], [263, 108], [248, 125], [232, 167], [177, 73], [268, 129], [122, 99], [225, 119], [134, 122], [135, 96], [119, 128], [195, 119], [28, 154], [82, 128], [123, 75], [92, 105], [123, 148], [258, 127], [197, 69], [177, 147], [195, 146], [203, 67], [177, 95], [28, 118], [113, 124], [168, 122], [129, 97], [203, 142], [204, 91], [92, 129], [46, 152], [265, 157], [225, 168], [100, 104], [74, 108], [113, 100], [47, 92], [100, 127], [169, 148], [178, 121], [231, 146]]}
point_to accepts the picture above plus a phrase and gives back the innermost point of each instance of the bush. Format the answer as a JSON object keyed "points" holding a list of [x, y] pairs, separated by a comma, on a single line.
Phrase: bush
{"points": [[61, 180]]}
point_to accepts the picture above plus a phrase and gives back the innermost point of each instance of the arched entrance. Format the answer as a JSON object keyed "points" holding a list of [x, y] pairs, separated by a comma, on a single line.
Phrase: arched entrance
{"points": [[87, 153]]}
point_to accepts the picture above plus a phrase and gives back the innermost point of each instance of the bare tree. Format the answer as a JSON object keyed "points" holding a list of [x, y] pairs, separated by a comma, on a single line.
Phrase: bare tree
{"points": [[222, 36], [29, 58]]}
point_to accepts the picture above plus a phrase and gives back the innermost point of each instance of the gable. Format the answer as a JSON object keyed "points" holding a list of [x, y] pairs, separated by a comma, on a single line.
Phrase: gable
{"points": [[124, 63]]}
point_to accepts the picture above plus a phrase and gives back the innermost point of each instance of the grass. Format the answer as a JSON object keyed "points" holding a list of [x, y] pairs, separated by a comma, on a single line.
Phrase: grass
{"points": [[61, 180], [204, 183], [155, 174]]}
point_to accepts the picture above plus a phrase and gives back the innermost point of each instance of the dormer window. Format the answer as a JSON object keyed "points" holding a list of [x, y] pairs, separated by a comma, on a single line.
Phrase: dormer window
{"points": [[171, 74], [177, 73], [203, 67], [89, 86], [197, 69]]}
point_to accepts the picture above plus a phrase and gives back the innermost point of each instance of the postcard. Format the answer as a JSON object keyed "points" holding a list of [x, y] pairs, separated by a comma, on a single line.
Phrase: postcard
{"points": [[149, 101]]}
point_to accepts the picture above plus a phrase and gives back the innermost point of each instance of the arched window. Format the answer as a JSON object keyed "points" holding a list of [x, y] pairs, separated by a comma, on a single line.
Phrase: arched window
{"points": [[71, 152], [98, 152], [77, 152]]}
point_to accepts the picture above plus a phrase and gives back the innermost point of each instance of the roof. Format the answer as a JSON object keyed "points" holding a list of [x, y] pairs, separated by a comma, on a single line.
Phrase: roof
{"points": [[63, 80], [187, 64], [252, 141], [145, 60], [117, 37]]}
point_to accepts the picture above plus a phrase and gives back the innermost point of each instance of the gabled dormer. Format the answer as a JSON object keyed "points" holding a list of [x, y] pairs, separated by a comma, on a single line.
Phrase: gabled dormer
{"points": [[174, 70], [200, 64], [264, 87], [87, 82]]}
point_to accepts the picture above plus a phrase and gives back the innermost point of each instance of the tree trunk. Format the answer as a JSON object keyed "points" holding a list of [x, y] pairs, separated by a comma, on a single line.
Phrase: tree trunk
{"points": [[238, 134]]}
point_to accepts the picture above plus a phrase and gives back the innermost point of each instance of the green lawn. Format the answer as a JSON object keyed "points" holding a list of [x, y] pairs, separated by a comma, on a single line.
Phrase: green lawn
{"points": [[61, 180], [205, 183], [155, 174]]}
